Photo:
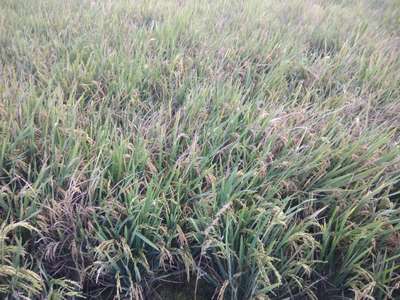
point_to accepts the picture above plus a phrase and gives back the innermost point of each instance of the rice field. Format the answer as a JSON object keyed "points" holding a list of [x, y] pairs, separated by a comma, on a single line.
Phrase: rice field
{"points": [[180, 149]]}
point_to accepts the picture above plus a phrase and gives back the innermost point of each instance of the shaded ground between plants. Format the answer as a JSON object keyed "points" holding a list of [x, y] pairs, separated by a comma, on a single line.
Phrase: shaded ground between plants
{"points": [[182, 291]]}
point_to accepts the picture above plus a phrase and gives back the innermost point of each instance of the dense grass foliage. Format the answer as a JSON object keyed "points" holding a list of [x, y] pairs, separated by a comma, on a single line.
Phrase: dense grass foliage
{"points": [[229, 149]]}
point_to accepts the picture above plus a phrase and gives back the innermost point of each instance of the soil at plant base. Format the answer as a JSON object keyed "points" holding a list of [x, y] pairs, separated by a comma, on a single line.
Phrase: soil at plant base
{"points": [[183, 291]]}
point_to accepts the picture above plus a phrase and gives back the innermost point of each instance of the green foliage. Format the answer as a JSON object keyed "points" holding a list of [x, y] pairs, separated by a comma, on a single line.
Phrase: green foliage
{"points": [[234, 150]]}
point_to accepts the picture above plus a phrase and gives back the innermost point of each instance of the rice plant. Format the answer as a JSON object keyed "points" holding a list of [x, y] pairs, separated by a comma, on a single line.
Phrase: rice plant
{"points": [[199, 150]]}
